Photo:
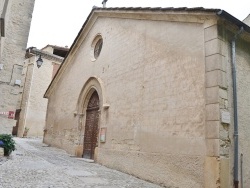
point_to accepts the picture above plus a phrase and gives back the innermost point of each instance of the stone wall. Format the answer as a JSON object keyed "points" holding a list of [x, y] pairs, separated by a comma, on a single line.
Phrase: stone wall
{"points": [[247, 20], [221, 96], [243, 77], [217, 132], [243, 85], [153, 73], [27, 73], [16, 35]]}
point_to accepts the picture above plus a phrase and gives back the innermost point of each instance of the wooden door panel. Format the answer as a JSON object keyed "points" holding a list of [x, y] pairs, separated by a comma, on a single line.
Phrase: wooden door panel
{"points": [[91, 127]]}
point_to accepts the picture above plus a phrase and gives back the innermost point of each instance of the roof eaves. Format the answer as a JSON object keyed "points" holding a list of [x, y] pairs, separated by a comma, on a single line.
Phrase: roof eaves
{"points": [[45, 54], [234, 20], [59, 47], [159, 9], [56, 47]]}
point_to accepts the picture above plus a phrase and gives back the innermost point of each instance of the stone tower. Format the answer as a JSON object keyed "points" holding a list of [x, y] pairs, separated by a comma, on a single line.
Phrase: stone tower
{"points": [[15, 22]]}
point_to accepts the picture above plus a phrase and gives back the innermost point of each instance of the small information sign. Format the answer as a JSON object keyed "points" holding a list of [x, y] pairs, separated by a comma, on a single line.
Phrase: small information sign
{"points": [[225, 117], [11, 115], [103, 134]]}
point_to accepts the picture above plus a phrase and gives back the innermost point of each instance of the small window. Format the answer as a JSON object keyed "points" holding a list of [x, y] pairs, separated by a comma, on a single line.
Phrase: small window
{"points": [[96, 47]]}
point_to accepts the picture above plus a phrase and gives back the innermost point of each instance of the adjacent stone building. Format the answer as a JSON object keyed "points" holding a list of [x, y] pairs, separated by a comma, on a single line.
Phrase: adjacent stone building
{"points": [[36, 81], [15, 25], [149, 91], [247, 20]]}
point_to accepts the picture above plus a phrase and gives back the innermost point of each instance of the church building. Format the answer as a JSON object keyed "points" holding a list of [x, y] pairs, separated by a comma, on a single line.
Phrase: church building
{"points": [[159, 93]]}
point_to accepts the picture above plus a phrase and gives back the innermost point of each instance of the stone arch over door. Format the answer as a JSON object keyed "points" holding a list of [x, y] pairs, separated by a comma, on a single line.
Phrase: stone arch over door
{"points": [[92, 88]]}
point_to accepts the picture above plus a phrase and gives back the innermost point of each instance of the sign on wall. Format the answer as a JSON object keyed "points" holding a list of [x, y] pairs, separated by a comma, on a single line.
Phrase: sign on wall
{"points": [[103, 134], [225, 117], [10, 114]]}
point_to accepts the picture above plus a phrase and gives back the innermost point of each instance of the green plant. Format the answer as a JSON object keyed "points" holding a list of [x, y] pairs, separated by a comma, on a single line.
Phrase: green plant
{"points": [[9, 143]]}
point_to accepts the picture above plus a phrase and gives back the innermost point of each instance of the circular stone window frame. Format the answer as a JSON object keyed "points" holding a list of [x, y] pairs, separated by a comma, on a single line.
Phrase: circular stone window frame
{"points": [[97, 38]]}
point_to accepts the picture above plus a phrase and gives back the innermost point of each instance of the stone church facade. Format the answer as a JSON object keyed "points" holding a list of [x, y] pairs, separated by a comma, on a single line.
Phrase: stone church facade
{"points": [[15, 22], [149, 92]]}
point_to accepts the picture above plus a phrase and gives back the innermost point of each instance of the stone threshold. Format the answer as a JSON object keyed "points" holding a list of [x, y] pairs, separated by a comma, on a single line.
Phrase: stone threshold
{"points": [[83, 159], [86, 160]]}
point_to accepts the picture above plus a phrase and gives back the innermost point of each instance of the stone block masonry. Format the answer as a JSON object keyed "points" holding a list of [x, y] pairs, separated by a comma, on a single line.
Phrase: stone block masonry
{"points": [[216, 98], [17, 26]]}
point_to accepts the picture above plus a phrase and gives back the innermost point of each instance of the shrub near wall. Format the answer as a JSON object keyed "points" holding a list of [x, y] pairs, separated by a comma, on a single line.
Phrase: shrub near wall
{"points": [[8, 143]]}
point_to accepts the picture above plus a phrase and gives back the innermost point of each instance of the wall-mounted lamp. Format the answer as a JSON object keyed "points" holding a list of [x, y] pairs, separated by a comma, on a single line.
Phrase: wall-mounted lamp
{"points": [[39, 62]]}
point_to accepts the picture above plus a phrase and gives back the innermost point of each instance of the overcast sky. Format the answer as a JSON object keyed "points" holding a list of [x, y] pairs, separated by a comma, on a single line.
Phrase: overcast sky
{"points": [[57, 22]]}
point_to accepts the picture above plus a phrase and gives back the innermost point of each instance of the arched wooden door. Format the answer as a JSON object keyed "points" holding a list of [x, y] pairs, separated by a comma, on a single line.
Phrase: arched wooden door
{"points": [[91, 127]]}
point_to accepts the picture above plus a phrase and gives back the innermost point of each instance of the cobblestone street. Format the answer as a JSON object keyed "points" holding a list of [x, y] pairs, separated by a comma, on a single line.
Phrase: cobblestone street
{"points": [[33, 165]]}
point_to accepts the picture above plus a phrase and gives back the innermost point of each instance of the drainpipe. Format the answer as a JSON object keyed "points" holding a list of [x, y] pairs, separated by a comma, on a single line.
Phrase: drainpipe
{"points": [[241, 170], [236, 142]]}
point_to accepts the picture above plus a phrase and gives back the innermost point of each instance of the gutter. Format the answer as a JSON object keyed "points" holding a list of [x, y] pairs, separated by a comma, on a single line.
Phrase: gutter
{"points": [[234, 20]]}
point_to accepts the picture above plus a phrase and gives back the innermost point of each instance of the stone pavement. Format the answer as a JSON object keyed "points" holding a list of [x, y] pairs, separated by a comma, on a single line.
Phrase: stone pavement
{"points": [[33, 165]]}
